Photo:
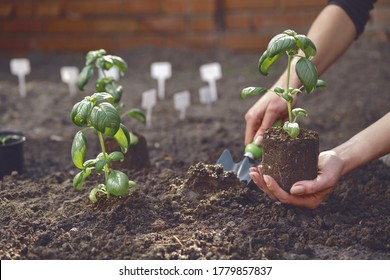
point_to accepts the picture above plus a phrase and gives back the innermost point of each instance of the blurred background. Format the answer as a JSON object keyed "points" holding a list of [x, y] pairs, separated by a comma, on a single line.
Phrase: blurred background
{"points": [[116, 25]]}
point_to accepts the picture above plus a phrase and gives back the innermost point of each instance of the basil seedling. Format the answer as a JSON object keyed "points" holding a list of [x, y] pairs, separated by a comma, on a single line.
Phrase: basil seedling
{"points": [[294, 46], [99, 113]]}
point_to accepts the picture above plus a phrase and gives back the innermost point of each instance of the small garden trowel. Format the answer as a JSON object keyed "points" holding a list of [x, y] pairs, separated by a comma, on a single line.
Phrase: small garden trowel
{"points": [[241, 169]]}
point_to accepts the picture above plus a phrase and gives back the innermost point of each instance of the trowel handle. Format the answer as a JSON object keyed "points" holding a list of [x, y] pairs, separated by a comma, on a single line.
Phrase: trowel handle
{"points": [[253, 151]]}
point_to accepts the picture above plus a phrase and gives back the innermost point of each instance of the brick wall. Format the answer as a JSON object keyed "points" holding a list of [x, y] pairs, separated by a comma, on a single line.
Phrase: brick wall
{"points": [[81, 25]]}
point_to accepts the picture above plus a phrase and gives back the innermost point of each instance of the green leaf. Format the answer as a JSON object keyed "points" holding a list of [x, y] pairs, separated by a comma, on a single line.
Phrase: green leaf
{"points": [[266, 61], [137, 114], [120, 63], [132, 184], [102, 83], [105, 119], [116, 156], [321, 84], [307, 74], [93, 55], [133, 139], [104, 63], [122, 137], [84, 76], [290, 32], [280, 43], [80, 112], [299, 112], [292, 129], [100, 163], [306, 45], [253, 91], [278, 90], [288, 97], [79, 146], [92, 195], [115, 90], [102, 96], [80, 178], [117, 183]]}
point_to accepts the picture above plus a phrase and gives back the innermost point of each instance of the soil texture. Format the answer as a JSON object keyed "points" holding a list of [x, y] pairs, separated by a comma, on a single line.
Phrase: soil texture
{"points": [[185, 206]]}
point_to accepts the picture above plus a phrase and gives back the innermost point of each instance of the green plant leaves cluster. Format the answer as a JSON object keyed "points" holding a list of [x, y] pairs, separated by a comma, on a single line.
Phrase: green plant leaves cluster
{"points": [[99, 114], [293, 45]]}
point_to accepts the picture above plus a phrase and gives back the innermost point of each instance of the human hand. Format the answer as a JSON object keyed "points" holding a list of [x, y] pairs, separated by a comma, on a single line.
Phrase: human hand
{"points": [[262, 115], [309, 193]]}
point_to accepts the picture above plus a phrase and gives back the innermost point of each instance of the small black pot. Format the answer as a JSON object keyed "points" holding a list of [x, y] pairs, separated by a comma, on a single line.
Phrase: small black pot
{"points": [[11, 153]]}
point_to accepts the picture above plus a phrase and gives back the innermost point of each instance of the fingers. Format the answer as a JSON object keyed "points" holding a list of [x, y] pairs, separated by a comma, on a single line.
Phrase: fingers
{"points": [[256, 175], [253, 121], [271, 188]]}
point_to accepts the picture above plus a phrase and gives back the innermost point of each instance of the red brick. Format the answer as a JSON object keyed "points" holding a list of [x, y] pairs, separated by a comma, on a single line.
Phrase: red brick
{"points": [[162, 24], [302, 3], [142, 6], [24, 10], [244, 42], [92, 26], [241, 21], [174, 6], [21, 26], [208, 6], [202, 24], [280, 20], [5, 9], [249, 4], [93, 7], [50, 9]]}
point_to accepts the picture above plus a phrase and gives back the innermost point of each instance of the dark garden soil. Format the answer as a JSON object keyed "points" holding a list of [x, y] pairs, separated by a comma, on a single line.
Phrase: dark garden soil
{"points": [[185, 207]]}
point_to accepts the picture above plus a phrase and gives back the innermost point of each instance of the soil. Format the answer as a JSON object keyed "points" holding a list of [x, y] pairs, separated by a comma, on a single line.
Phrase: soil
{"points": [[290, 160], [186, 207]]}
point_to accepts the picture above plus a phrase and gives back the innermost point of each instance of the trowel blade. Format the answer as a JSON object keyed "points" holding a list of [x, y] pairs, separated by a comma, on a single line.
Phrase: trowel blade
{"points": [[241, 169]]}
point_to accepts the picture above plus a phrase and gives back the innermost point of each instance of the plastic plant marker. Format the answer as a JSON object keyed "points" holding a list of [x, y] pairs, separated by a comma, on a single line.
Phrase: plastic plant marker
{"points": [[149, 100], [21, 67], [182, 101], [69, 75], [210, 73], [205, 96], [161, 71], [113, 72]]}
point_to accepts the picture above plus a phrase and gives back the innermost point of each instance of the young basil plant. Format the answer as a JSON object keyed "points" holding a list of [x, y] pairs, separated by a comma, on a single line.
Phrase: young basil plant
{"points": [[294, 46], [99, 114], [99, 59]]}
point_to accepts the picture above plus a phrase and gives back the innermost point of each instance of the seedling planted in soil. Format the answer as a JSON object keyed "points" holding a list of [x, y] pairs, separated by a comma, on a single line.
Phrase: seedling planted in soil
{"points": [[99, 113]]}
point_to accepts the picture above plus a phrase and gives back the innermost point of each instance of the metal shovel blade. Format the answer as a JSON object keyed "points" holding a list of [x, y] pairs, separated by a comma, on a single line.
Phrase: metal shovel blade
{"points": [[241, 169]]}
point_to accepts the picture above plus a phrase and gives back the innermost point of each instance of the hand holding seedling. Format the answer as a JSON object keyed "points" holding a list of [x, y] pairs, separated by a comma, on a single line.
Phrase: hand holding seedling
{"points": [[294, 46]]}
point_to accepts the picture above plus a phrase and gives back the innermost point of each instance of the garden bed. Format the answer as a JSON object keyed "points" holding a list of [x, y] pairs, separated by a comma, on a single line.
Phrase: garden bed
{"points": [[185, 207]]}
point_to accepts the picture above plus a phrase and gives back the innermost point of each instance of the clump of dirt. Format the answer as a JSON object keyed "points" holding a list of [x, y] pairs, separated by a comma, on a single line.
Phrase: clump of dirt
{"points": [[203, 181]]}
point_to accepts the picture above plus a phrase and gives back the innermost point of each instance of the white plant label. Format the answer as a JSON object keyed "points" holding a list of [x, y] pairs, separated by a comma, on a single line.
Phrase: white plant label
{"points": [[210, 73], [149, 100], [182, 101], [21, 67], [161, 71], [205, 96], [113, 72], [69, 75]]}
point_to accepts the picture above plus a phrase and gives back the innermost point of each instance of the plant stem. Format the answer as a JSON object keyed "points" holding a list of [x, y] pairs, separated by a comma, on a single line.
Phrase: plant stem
{"points": [[101, 140], [288, 86]]}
